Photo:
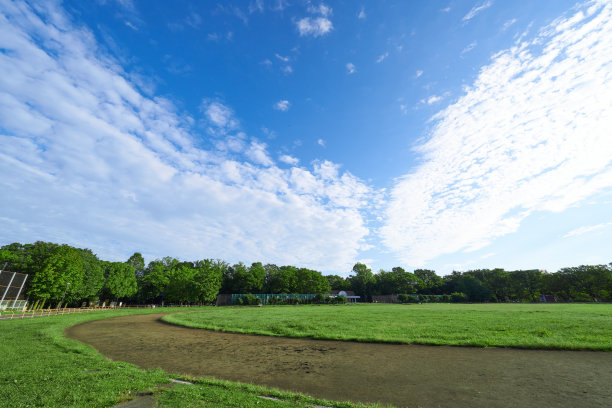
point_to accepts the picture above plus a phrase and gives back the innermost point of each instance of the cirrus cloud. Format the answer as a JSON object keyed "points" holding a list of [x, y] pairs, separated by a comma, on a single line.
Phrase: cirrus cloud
{"points": [[532, 133]]}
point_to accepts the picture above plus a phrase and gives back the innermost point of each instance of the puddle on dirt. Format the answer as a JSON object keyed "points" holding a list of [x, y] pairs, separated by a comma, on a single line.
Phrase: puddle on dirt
{"points": [[403, 375]]}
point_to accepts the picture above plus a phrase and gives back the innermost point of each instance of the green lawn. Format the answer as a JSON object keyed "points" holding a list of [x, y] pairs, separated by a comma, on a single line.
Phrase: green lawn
{"points": [[42, 368], [546, 326]]}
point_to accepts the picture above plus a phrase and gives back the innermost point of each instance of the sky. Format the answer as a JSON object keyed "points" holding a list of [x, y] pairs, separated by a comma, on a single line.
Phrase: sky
{"points": [[448, 135]]}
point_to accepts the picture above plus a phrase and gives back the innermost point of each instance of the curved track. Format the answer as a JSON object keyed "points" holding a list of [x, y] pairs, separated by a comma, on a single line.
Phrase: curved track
{"points": [[403, 375]]}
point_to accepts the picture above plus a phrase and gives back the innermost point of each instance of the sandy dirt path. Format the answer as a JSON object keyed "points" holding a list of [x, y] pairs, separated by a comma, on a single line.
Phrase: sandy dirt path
{"points": [[403, 375]]}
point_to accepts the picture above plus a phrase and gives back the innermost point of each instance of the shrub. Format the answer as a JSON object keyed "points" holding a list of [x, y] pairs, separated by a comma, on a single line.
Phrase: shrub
{"points": [[603, 295], [319, 298], [250, 299], [458, 297], [582, 297]]}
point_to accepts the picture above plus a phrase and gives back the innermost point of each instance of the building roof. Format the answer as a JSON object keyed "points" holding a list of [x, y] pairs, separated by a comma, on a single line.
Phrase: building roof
{"points": [[345, 293]]}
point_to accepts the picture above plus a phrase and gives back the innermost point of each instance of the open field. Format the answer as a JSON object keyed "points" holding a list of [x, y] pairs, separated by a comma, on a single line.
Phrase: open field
{"points": [[400, 374], [539, 326], [40, 367]]}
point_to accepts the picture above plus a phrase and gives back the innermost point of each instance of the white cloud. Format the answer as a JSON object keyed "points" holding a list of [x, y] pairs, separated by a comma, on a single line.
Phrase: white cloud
{"points": [[321, 142], [382, 57], [89, 160], [446, 10], [418, 73], [219, 114], [322, 9], [258, 154], [586, 229], [285, 158], [132, 26], [350, 68], [257, 5], [316, 27], [469, 47], [508, 23], [283, 105], [362, 14], [432, 99], [530, 134], [477, 9], [282, 58], [287, 69]]}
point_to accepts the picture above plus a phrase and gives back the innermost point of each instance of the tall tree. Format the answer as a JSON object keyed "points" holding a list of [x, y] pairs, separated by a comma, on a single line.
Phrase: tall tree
{"points": [[138, 263], [256, 278], [310, 281], [362, 281], [430, 283], [60, 278], [337, 282], [93, 281], [120, 281]]}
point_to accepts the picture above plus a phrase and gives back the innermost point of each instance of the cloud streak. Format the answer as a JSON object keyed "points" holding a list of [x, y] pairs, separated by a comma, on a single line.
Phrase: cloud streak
{"points": [[531, 134], [587, 229], [476, 10]]}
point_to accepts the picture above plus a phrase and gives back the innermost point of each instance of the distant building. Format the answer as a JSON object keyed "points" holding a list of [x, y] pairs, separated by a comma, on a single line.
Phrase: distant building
{"points": [[348, 294], [547, 299], [385, 299]]}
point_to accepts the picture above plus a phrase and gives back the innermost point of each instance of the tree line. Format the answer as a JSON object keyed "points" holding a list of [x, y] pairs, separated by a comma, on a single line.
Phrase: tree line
{"points": [[585, 283], [62, 273]]}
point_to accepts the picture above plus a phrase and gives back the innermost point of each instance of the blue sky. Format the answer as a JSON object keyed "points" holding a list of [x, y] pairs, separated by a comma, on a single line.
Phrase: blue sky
{"points": [[450, 135]]}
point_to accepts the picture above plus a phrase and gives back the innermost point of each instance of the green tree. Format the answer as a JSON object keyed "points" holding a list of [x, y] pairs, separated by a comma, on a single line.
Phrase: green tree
{"points": [[362, 282], [337, 282], [255, 278], [138, 263], [525, 285], [310, 281], [60, 278], [93, 280], [429, 282], [473, 288], [281, 280], [120, 281], [209, 275], [181, 285], [156, 277]]}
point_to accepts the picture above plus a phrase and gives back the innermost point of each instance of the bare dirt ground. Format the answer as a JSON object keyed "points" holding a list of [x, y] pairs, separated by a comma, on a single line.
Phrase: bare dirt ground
{"points": [[403, 375]]}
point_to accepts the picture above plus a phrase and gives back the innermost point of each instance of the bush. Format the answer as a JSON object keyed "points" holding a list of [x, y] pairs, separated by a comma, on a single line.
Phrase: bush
{"points": [[582, 297], [447, 298], [249, 299], [319, 298], [340, 300], [603, 295], [458, 297]]}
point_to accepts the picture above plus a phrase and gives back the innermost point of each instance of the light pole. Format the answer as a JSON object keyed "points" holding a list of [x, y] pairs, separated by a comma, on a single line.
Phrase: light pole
{"points": [[64, 295]]}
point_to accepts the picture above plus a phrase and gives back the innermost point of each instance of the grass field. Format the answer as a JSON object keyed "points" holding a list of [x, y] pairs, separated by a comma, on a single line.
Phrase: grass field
{"points": [[42, 368], [543, 326]]}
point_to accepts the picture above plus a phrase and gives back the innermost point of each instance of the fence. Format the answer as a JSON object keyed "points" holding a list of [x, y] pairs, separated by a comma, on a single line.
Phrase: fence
{"points": [[26, 314], [267, 297], [11, 290]]}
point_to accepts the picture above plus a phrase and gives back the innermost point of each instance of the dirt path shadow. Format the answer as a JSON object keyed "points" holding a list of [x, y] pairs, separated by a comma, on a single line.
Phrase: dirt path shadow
{"points": [[403, 375]]}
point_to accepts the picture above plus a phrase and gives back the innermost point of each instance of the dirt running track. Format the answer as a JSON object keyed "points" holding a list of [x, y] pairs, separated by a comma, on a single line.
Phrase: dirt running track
{"points": [[403, 375]]}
